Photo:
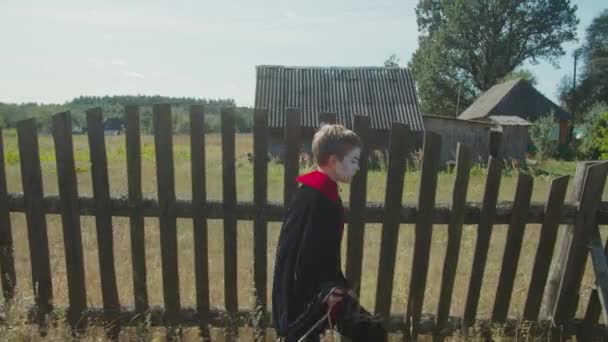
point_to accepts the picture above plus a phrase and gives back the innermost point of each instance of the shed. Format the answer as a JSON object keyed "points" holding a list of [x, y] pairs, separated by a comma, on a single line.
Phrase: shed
{"points": [[385, 94], [518, 98], [473, 133], [515, 140]]}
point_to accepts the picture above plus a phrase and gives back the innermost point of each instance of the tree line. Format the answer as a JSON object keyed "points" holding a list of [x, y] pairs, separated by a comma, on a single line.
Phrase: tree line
{"points": [[113, 108]]}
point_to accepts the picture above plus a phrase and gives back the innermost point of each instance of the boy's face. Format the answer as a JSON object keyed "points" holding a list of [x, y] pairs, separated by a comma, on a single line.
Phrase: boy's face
{"points": [[348, 166]]}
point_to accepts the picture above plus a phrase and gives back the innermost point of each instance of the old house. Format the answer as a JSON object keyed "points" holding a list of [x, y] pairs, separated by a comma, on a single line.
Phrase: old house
{"points": [[518, 98], [386, 95]]}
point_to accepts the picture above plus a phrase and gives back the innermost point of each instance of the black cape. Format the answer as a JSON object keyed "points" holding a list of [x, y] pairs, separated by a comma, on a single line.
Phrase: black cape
{"points": [[307, 263]]}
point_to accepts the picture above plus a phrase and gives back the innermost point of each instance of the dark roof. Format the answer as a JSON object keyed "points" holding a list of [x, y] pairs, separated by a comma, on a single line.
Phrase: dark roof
{"points": [[385, 94], [514, 98]]}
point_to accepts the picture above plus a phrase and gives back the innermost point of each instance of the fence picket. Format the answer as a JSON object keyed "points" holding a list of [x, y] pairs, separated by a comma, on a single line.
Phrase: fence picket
{"points": [[594, 308], [7, 257], [515, 235], [424, 229], [484, 231], [136, 219], [199, 217], [103, 220], [546, 245], [31, 176], [229, 199], [357, 202], [459, 197], [292, 152], [390, 229], [260, 226], [577, 254], [70, 218]]}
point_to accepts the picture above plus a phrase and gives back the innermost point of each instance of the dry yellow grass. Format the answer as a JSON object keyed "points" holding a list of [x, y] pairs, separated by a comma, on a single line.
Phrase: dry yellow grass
{"points": [[376, 187]]}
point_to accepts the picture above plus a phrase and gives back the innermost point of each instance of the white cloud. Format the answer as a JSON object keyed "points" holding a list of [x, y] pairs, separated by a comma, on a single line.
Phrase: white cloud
{"points": [[132, 74], [118, 62]]}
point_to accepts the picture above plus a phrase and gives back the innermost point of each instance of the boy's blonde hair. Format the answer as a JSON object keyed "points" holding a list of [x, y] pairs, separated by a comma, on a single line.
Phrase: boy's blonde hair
{"points": [[333, 139]]}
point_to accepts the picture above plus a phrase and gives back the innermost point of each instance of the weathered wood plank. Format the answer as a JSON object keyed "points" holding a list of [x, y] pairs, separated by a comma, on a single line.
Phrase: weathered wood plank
{"points": [[103, 219], [260, 226], [577, 254], [199, 197], [390, 228], [274, 212], [558, 263], [136, 219], [31, 176], [229, 205], [594, 308], [7, 257], [450, 264], [546, 245], [356, 219], [165, 177], [70, 218], [515, 235], [424, 229], [484, 232], [292, 152], [600, 268]]}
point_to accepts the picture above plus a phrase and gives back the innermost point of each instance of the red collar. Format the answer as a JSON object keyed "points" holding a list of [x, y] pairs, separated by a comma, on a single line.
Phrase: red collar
{"points": [[320, 181]]}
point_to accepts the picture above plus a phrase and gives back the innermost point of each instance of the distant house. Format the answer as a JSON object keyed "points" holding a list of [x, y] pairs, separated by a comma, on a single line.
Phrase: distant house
{"points": [[518, 98], [386, 95], [113, 126], [515, 140]]}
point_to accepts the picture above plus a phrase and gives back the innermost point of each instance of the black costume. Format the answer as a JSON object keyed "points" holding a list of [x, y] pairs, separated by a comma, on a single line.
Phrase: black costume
{"points": [[308, 267]]}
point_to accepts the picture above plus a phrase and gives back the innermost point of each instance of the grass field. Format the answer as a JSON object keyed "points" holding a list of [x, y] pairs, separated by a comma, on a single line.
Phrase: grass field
{"points": [[376, 188]]}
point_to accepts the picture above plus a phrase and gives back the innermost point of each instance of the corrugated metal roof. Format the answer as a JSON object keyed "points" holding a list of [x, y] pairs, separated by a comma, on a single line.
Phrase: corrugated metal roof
{"points": [[515, 97], [386, 95], [509, 120]]}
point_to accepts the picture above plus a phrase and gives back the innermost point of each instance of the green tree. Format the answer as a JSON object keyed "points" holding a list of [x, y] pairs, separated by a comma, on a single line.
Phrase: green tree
{"points": [[592, 86], [540, 133], [467, 46], [392, 61], [521, 73], [595, 124]]}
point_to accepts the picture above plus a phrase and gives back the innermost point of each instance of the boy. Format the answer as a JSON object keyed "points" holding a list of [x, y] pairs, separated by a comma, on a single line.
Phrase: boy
{"points": [[310, 292]]}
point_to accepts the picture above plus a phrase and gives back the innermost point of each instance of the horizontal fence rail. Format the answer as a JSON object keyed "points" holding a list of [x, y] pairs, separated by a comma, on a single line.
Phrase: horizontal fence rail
{"points": [[552, 295]]}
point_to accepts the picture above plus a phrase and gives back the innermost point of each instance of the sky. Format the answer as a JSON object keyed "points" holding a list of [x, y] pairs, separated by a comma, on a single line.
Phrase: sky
{"points": [[51, 52]]}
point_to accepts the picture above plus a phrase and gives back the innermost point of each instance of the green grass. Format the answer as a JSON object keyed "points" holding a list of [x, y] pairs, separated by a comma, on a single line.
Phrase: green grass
{"points": [[376, 190]]}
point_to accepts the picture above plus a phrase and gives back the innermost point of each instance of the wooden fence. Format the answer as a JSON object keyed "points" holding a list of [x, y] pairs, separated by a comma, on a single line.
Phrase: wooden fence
{"points": [[582, 214]]}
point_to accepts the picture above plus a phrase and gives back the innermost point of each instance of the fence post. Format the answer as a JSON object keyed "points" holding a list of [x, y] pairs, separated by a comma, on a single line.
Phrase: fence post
{"points": [[292, 152], [165, 177], [356, 220], [450, 264], [199, 217], [136, 219], [546, 245], [424, 229], [103, 220], [392, 218], [70, 219], [580, 237], [31, 175], [229, 208], [7, 258], [557, 266], [484, 232], [260, 233]]}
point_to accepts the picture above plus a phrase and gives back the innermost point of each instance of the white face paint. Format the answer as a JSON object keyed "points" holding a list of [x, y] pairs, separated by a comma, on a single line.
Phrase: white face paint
{"points": [[348, 166]]}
